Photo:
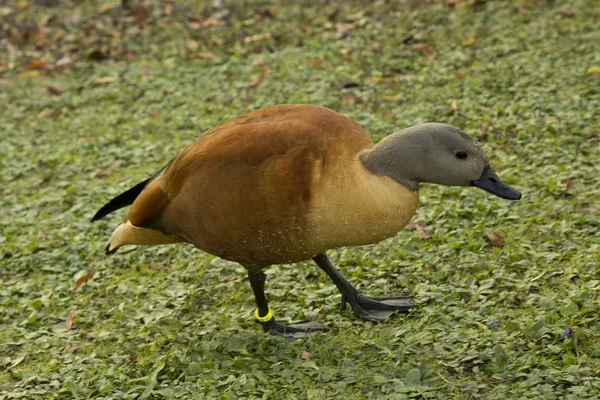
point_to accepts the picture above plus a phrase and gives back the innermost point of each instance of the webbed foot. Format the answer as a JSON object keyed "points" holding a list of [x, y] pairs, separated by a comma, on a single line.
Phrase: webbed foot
{"points": [[292, 329], [376, 309]]}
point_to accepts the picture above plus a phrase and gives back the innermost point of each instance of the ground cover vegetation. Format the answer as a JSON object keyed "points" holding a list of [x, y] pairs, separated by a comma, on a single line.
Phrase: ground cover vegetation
{"points": [[96, 95]]}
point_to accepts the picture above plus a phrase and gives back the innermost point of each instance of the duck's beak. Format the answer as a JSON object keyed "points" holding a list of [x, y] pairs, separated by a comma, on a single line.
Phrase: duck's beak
{"points": [[490, 182]]}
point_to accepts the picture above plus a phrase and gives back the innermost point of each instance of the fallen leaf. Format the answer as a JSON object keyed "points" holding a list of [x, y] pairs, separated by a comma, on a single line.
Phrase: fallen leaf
{"points": [[469, 41], [37, 64], [207, 56], [495, 239], [429, 270], [207, 23], [350, 97], [97, 55], [86, 276], [347, 84], [106, 79], [258, 38], [344, 28], [454, 105], [356, 16], [566, 14], [259, 79], [53, 90], [71, 319], [419, 226], [27, 74], [192, 45], [316, 62], [139, 13], [422, 48], [305, 355], [593, 70], [64, 61], [397, 96]]}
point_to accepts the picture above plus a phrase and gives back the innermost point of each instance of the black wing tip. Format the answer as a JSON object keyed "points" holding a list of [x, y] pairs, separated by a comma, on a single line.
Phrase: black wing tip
{"points": [[123, 200], [97, 217], [103, 212]]}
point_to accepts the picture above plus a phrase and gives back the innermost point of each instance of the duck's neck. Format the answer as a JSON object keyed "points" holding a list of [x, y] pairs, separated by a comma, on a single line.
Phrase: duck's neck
{"points": [[396, 156]]}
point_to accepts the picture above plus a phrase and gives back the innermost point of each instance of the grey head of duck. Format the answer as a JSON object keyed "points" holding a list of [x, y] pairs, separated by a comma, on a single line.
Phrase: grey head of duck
{"points": [[435, 153]]}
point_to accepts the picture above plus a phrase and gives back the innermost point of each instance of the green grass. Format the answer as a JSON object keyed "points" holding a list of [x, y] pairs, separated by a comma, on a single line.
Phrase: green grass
{"points": [[172, 322]]}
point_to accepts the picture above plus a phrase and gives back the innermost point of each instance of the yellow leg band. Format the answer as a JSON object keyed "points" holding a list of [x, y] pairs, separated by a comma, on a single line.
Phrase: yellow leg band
{"points": [[266, 318]]}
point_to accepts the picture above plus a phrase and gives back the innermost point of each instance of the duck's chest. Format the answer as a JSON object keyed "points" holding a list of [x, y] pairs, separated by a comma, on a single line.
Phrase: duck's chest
{"points": [[355, 207]]}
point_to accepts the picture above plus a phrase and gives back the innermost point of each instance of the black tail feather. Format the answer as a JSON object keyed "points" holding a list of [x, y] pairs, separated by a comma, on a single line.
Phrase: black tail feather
{"points": [[126, 198], [123, 200]]}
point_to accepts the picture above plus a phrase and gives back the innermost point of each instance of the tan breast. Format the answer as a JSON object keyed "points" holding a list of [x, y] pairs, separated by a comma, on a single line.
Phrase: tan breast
{"points": [[352, 206]]}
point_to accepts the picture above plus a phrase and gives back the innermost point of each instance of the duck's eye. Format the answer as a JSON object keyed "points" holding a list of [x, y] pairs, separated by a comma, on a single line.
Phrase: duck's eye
{"points": [[461, 154]]}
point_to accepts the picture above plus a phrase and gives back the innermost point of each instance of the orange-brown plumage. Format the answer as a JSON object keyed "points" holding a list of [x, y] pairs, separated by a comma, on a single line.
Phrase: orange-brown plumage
{"points": [[252, 189]]}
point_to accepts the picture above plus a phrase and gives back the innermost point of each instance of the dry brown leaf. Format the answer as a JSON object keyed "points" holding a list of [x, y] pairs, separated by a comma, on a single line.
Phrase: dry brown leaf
{"points": [[139, 13], [344, 28], [192, 45], [37, 64], [106, 79], [566, 14], [422, 48], [356, 16], [259, 79], [429, 270], [305, 355], [86, 276], [71, 319], [317, 62], [54, 90], [350, 98], [48, 112], [258, 38], [495, 239], [64, 61], [207, 23], [38, 37], [207, 56], [419, 226]]}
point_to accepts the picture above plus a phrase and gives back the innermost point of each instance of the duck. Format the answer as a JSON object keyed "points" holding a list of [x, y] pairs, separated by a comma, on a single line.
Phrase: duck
{"points": [[286, 183]]}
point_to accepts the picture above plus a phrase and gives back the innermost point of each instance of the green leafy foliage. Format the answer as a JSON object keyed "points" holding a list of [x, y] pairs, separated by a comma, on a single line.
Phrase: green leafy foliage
{"points": [[518, 319]]}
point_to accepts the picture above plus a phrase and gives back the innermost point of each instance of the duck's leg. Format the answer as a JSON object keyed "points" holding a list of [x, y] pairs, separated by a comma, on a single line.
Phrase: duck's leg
{"points": [[265, 315], [375, 309]]}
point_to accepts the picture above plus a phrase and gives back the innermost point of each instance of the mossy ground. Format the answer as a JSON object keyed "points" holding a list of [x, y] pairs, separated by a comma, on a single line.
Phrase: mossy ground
{"points": [[173, 322]]}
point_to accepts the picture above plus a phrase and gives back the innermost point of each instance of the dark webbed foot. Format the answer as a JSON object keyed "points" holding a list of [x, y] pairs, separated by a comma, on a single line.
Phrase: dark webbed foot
{"points": [[376, 309], [292, 329]]}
